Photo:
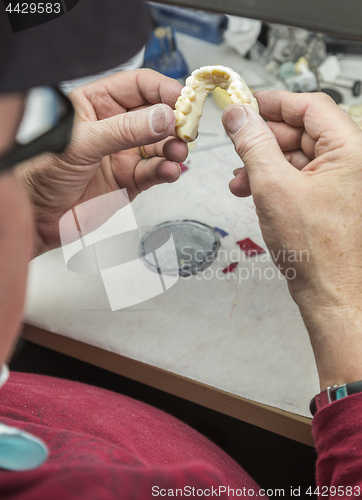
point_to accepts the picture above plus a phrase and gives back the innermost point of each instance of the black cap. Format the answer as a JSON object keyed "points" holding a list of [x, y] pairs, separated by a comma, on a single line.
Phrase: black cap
{"points": [[94, 36]]}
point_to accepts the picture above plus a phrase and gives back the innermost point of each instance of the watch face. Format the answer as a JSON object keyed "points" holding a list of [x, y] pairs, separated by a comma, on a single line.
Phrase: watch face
{"points": [[332, 394]]}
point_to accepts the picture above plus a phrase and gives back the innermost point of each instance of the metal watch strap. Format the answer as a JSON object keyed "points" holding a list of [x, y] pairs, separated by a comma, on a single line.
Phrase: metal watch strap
{"points": [[332, 394]]}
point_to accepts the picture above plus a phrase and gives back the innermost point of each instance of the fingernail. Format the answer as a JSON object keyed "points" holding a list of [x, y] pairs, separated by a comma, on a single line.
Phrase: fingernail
{"points": [[235, 118], [158, 119], [236, 171], [179, 167]]}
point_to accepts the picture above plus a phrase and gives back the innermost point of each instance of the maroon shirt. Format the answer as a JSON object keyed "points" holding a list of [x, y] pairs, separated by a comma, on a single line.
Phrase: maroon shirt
{"points": [[105, 446], [337, 431]]}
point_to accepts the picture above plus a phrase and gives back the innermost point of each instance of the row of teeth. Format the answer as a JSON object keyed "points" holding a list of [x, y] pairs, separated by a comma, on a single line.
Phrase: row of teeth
{"points": [[211, 77]]}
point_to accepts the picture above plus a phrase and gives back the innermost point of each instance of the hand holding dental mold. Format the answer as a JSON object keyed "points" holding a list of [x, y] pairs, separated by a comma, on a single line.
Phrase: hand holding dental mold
{"points": [[304, 169], [123, 137]]}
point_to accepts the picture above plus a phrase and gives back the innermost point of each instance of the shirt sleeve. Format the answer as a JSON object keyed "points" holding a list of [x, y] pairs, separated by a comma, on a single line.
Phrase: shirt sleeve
{"points": [[337, 432]]}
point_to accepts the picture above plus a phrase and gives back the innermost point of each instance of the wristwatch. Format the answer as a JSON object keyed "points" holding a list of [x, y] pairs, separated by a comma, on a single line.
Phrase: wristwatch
{"points": [[332, 394]]}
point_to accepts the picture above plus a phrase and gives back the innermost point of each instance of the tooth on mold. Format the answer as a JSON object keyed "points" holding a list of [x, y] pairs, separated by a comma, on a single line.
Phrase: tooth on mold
{"points": [[193, 82], [221, 73], [189, 93], [180, 118], [237, 85], [203, 73], [210, 86], [218, 73], [239, 94], [234, 99], [184, 105]]}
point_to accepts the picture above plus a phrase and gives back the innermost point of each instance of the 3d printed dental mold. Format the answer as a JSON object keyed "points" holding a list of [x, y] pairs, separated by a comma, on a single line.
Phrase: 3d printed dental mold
{"points": [[190, 104]]}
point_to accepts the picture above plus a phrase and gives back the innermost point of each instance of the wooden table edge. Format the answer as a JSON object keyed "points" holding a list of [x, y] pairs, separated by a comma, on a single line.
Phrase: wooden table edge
{"points": [[281, 422]]}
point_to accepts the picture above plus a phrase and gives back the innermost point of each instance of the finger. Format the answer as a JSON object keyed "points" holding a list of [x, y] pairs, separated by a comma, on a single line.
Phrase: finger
{"points": [[176, 149], [316, 112], [297, 158], [171, 148], [291, 138], [123, 91], [240, 185], [126, 131], [154, 171], [255, 143], [151, 87]]}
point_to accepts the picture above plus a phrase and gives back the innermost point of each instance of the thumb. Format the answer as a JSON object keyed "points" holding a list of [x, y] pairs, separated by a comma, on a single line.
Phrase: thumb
{"points": [[94, 140], [254, 142]]}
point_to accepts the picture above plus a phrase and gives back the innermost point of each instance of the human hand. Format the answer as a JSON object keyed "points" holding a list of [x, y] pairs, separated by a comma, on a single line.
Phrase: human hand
{"points": [[114, 116], [303, 168]]}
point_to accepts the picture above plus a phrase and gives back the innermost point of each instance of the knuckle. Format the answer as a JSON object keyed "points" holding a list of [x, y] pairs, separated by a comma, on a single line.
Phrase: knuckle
{"points": [[248, 143], [127, 128], [322, 96]]}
